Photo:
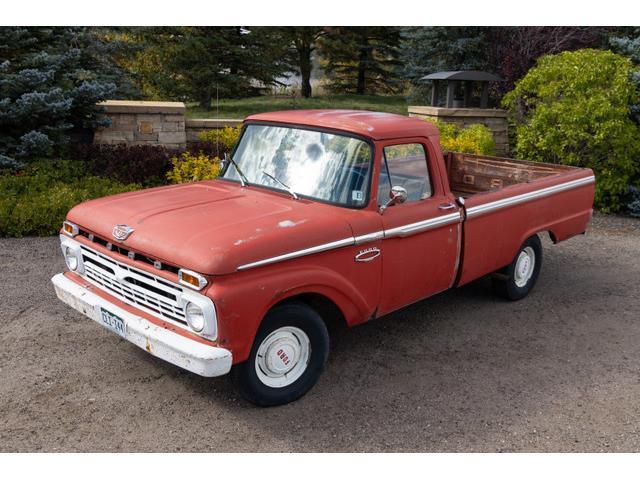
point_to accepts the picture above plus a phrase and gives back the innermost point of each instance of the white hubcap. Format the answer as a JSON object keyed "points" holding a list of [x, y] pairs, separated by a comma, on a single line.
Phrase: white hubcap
{"points": [[524, 266], [283, 357]]}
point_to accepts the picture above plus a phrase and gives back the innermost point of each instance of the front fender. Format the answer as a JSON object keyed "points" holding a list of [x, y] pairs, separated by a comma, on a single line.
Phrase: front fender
{"points": [[243, 299]]}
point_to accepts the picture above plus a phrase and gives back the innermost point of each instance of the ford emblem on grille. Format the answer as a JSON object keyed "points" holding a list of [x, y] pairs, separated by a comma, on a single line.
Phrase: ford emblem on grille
{"points": [[121, 232]]}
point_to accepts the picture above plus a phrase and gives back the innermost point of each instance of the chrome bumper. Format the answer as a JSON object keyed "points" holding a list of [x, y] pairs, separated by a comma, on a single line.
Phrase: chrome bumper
{"points": [[196, 357]]}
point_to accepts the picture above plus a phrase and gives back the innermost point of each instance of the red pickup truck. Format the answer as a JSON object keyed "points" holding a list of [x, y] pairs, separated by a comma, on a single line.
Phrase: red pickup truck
{"points": [[317, 216]]}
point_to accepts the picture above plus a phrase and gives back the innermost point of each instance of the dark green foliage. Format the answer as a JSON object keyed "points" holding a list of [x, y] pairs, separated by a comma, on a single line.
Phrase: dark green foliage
{"points": [[50, 81], [37, 201], [361, 60], [202, 63]]}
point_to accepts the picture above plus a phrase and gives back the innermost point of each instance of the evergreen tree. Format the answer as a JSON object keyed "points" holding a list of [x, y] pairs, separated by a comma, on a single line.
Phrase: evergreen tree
{"points": [[361, 59], [507, 51], [200, 63], [629, 46], [50, 81], [426, 50]]}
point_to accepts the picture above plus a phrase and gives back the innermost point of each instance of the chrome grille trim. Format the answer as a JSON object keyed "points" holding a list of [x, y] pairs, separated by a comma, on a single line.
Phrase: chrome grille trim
{"points": [[135, 287]]}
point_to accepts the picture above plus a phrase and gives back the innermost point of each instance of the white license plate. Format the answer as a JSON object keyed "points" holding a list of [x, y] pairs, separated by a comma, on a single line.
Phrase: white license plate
{"points": [[112, 322]]}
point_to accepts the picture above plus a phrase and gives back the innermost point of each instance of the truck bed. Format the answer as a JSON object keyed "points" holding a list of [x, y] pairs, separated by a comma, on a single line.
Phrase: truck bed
{"points": [[506, 201], [473, 174]]}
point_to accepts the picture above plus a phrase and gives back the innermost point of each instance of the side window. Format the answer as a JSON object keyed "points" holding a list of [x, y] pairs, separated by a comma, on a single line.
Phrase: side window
{"points": [[404, 166]]}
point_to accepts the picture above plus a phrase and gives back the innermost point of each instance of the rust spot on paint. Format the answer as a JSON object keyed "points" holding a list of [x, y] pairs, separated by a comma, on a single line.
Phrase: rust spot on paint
{"points": [[148, 347]]}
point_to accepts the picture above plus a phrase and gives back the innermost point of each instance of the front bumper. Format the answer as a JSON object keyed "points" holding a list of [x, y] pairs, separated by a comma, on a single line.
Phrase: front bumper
{"points": [[203, 359]]}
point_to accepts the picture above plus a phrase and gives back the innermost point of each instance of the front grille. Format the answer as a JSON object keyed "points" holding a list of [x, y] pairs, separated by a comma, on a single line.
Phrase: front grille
{"points": [[134, 286], [127, 252]]}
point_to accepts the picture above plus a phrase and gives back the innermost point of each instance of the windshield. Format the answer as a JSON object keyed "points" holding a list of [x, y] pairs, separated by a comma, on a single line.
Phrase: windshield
{"points": [[323, 166]]}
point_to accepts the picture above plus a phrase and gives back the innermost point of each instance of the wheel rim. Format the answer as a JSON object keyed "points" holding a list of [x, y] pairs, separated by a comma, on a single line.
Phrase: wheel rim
{"points": [[524, 266], [283, 357]]}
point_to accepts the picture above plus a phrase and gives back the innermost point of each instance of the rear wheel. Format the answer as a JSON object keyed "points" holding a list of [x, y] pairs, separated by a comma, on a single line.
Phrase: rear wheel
{"points": [[287, 357], [517, 279]]}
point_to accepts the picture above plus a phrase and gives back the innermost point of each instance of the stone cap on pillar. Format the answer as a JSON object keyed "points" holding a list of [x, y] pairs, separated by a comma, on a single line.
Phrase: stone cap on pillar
{"points": [[138, 106]]}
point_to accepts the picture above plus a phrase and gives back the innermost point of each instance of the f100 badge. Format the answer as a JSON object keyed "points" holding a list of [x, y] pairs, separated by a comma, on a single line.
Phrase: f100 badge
{"points": [[367, 254]]}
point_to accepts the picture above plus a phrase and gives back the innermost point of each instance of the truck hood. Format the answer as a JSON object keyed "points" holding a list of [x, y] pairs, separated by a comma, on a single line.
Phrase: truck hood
{"points": [[212, 227]]}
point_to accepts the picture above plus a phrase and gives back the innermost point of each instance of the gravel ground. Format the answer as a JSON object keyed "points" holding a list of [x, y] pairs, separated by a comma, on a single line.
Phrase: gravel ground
{"points": [[463, 371]]}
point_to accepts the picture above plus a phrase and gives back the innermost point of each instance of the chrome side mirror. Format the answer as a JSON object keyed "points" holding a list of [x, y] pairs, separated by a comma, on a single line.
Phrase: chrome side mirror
{"points": [[397, 195]]}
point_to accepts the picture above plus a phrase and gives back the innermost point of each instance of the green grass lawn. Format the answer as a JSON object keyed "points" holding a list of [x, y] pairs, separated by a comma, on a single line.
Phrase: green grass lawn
{"points": [[240, 108]]}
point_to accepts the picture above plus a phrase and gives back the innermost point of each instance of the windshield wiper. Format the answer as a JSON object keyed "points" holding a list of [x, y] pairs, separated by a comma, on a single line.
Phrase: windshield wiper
{"points": [[243, 179], [286, 187]]}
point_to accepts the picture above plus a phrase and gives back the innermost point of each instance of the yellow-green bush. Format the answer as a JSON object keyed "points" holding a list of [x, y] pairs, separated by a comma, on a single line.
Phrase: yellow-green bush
{"points": [[36, 201], [190, 167], [227, 137], [476, 138], [574, 108]]}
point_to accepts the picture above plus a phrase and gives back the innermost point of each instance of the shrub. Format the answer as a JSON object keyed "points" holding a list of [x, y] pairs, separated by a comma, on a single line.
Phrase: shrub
{"points": [[144, 164], [36, 201], [574, 108], [223, 139], [191, 168], [476, 139]]}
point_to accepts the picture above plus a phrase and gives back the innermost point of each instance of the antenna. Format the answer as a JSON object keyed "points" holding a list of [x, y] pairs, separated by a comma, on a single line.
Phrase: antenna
{"points": [[218, 118]]}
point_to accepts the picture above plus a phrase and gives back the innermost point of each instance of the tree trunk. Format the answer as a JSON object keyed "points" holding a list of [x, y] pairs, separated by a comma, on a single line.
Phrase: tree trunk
{"points": [[205, 100], [362, 66], [305, 70]]}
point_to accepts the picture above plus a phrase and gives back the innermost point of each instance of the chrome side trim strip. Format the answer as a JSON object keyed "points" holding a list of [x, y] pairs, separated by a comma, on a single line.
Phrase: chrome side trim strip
{"points": [[300, 253], [423, 225], [525, 197], [401, 231], [369, 237]]}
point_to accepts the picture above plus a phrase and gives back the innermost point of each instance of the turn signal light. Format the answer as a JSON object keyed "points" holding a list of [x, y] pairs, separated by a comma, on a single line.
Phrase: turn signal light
{"points": [[192, 279], [70, 229]]}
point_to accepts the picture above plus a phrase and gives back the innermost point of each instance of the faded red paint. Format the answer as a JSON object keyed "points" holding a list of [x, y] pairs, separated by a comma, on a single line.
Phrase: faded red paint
{"points": [[213, 227]]}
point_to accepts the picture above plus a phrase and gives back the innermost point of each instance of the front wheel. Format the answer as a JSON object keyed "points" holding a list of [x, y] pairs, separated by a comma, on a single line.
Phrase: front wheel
{"points": [[517, 279], [287, 357]]}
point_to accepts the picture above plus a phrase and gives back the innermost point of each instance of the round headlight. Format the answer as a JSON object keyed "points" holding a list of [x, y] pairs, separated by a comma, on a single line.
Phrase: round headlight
{"points": [[71, 259], [195, 317]]}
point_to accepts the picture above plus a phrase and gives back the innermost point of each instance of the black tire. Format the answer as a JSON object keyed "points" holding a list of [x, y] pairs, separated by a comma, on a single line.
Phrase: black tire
{"points": [[505, 281], [296, 315]]}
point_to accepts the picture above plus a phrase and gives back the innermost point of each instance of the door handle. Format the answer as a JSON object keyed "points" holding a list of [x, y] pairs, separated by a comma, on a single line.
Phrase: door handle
{"points": [[446, 206]]}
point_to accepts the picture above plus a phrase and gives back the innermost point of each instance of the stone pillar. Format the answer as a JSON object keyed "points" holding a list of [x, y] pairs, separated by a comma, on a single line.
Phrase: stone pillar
{"points": [[494, 119], [143, 123]]}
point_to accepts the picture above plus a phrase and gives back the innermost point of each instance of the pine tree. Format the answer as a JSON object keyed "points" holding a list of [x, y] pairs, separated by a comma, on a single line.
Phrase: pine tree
{"points": [[50, 81], [361, 59], [200, 63]]}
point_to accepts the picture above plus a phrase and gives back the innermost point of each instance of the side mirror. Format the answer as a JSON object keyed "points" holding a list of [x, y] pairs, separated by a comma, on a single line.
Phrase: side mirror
{"points": [[397, 195]]}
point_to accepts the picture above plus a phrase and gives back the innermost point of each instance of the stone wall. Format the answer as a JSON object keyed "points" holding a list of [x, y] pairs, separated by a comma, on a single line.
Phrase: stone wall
{"points": [[153, 123], [494, 119]]}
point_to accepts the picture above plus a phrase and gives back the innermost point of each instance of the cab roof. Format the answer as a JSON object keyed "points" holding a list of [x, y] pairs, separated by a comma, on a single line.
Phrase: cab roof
{"points": [[374, 125]]}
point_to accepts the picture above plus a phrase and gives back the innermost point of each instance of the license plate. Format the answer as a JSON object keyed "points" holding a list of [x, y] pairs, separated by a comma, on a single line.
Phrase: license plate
{"points": [[112, 322]]}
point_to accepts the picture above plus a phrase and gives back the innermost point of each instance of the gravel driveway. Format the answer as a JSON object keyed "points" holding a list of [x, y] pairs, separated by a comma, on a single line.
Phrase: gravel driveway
{"points": [[463, 371]]}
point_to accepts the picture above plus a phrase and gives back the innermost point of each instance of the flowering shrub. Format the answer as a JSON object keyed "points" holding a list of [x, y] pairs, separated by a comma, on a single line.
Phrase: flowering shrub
{"points": [[476, 139], [192, 168], [224, 139]]}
